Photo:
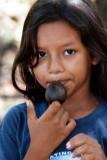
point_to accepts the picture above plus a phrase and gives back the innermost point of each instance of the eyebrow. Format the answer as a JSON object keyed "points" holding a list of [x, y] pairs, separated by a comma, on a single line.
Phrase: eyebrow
{"points": [[68, 44], [63, 45]]}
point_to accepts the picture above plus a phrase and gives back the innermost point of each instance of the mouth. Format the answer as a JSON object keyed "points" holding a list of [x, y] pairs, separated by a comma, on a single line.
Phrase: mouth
{"points": [[62, 82]]}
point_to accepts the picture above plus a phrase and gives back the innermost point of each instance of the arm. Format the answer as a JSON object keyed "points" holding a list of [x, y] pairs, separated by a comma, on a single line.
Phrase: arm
{"points": [[32, 154]]}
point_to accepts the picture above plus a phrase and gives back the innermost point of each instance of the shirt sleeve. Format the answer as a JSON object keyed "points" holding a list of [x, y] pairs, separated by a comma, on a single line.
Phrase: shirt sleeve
{"points": [[8, 140]]}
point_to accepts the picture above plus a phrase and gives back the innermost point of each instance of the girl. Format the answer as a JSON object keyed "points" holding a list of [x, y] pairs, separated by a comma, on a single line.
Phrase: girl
{"points": [[64, 41]]}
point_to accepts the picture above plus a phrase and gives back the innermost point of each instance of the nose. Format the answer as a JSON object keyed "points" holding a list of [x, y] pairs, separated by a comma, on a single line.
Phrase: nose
{"points": [[55, 65]]}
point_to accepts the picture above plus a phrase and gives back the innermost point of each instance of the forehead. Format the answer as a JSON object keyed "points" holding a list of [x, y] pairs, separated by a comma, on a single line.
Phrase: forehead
{"points": [[59, 32]]}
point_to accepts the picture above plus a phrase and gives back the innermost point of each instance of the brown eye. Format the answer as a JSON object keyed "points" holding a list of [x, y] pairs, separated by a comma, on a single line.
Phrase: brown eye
{"points": [[69, 52], [42, 54]]}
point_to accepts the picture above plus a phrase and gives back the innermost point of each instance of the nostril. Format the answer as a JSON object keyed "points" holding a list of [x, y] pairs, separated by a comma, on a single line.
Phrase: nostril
{"points": [[55, 67]]}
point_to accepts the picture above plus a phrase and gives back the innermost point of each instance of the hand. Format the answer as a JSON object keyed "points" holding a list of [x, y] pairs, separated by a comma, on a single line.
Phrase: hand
{"points": [[48, 131], [86, 147]]}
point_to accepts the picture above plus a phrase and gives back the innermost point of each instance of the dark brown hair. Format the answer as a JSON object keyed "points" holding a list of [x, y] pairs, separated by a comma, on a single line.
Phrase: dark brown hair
{"points": [[82, 15]]}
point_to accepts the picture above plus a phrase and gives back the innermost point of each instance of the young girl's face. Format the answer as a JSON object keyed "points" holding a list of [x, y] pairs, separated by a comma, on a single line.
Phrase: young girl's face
{"points": [[62, 57]]}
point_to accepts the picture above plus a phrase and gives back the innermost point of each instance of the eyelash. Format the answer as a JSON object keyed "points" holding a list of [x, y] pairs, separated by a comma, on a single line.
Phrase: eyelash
{"points": [[70, 51], [42, 54]]}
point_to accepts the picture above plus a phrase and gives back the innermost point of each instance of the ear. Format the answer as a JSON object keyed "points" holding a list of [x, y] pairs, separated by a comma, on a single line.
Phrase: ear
{"points": [[95, 60]]}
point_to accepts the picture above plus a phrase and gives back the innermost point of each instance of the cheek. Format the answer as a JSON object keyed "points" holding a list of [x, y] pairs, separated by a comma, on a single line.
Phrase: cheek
{"points": [[84, 68], [74, 65], [80, 67], [77, 63], [40, 74]]}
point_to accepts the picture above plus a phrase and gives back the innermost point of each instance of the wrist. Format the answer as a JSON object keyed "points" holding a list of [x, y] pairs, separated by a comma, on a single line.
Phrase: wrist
{"points": [[33, 154]]}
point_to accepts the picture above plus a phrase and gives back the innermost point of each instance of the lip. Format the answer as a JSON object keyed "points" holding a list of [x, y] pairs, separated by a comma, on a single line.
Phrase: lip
{"points": [[62, 82]]}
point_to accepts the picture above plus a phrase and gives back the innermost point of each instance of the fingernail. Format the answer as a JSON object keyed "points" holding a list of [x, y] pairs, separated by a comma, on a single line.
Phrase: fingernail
{"points": [[68, 145], [27, 103], [73, 155]]}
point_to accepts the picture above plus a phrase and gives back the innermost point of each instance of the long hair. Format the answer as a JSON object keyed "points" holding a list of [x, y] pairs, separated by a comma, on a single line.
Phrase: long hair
{"points": [[83, 16]]}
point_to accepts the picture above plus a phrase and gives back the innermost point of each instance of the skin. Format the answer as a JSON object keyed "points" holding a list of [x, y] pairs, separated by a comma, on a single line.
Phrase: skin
{"points": [[63, 58], [51, 129]]}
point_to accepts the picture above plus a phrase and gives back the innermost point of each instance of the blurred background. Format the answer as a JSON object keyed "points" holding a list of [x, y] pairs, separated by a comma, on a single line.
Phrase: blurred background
{"points": [[12, 16]]}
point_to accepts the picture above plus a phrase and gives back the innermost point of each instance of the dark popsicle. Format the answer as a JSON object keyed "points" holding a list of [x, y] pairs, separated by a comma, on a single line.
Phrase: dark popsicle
{"points": [[55, 92]]}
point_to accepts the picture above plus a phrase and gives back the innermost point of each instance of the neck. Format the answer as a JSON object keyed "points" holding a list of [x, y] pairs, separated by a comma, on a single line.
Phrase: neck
{"points": [[81, 106]]}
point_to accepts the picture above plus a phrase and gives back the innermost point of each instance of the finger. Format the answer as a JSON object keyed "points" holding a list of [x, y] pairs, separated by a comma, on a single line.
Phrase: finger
{"points": [[70, 126], [65, 118], [53, 109], [81, 139], [77, 141], [31, 118], [84, 149], [87, 157], [60, 113], [31, 114]]}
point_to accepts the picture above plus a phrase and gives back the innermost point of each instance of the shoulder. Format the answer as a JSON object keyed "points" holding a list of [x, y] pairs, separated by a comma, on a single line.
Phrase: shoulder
{"points": [[15, 111], [18, 114], [10, 132], [100, 114], [102, 109], [13, 116], [101, 125]]}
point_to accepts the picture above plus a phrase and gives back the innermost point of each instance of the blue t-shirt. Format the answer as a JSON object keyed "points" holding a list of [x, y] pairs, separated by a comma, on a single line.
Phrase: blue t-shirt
{"points": [[15, 138]]}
